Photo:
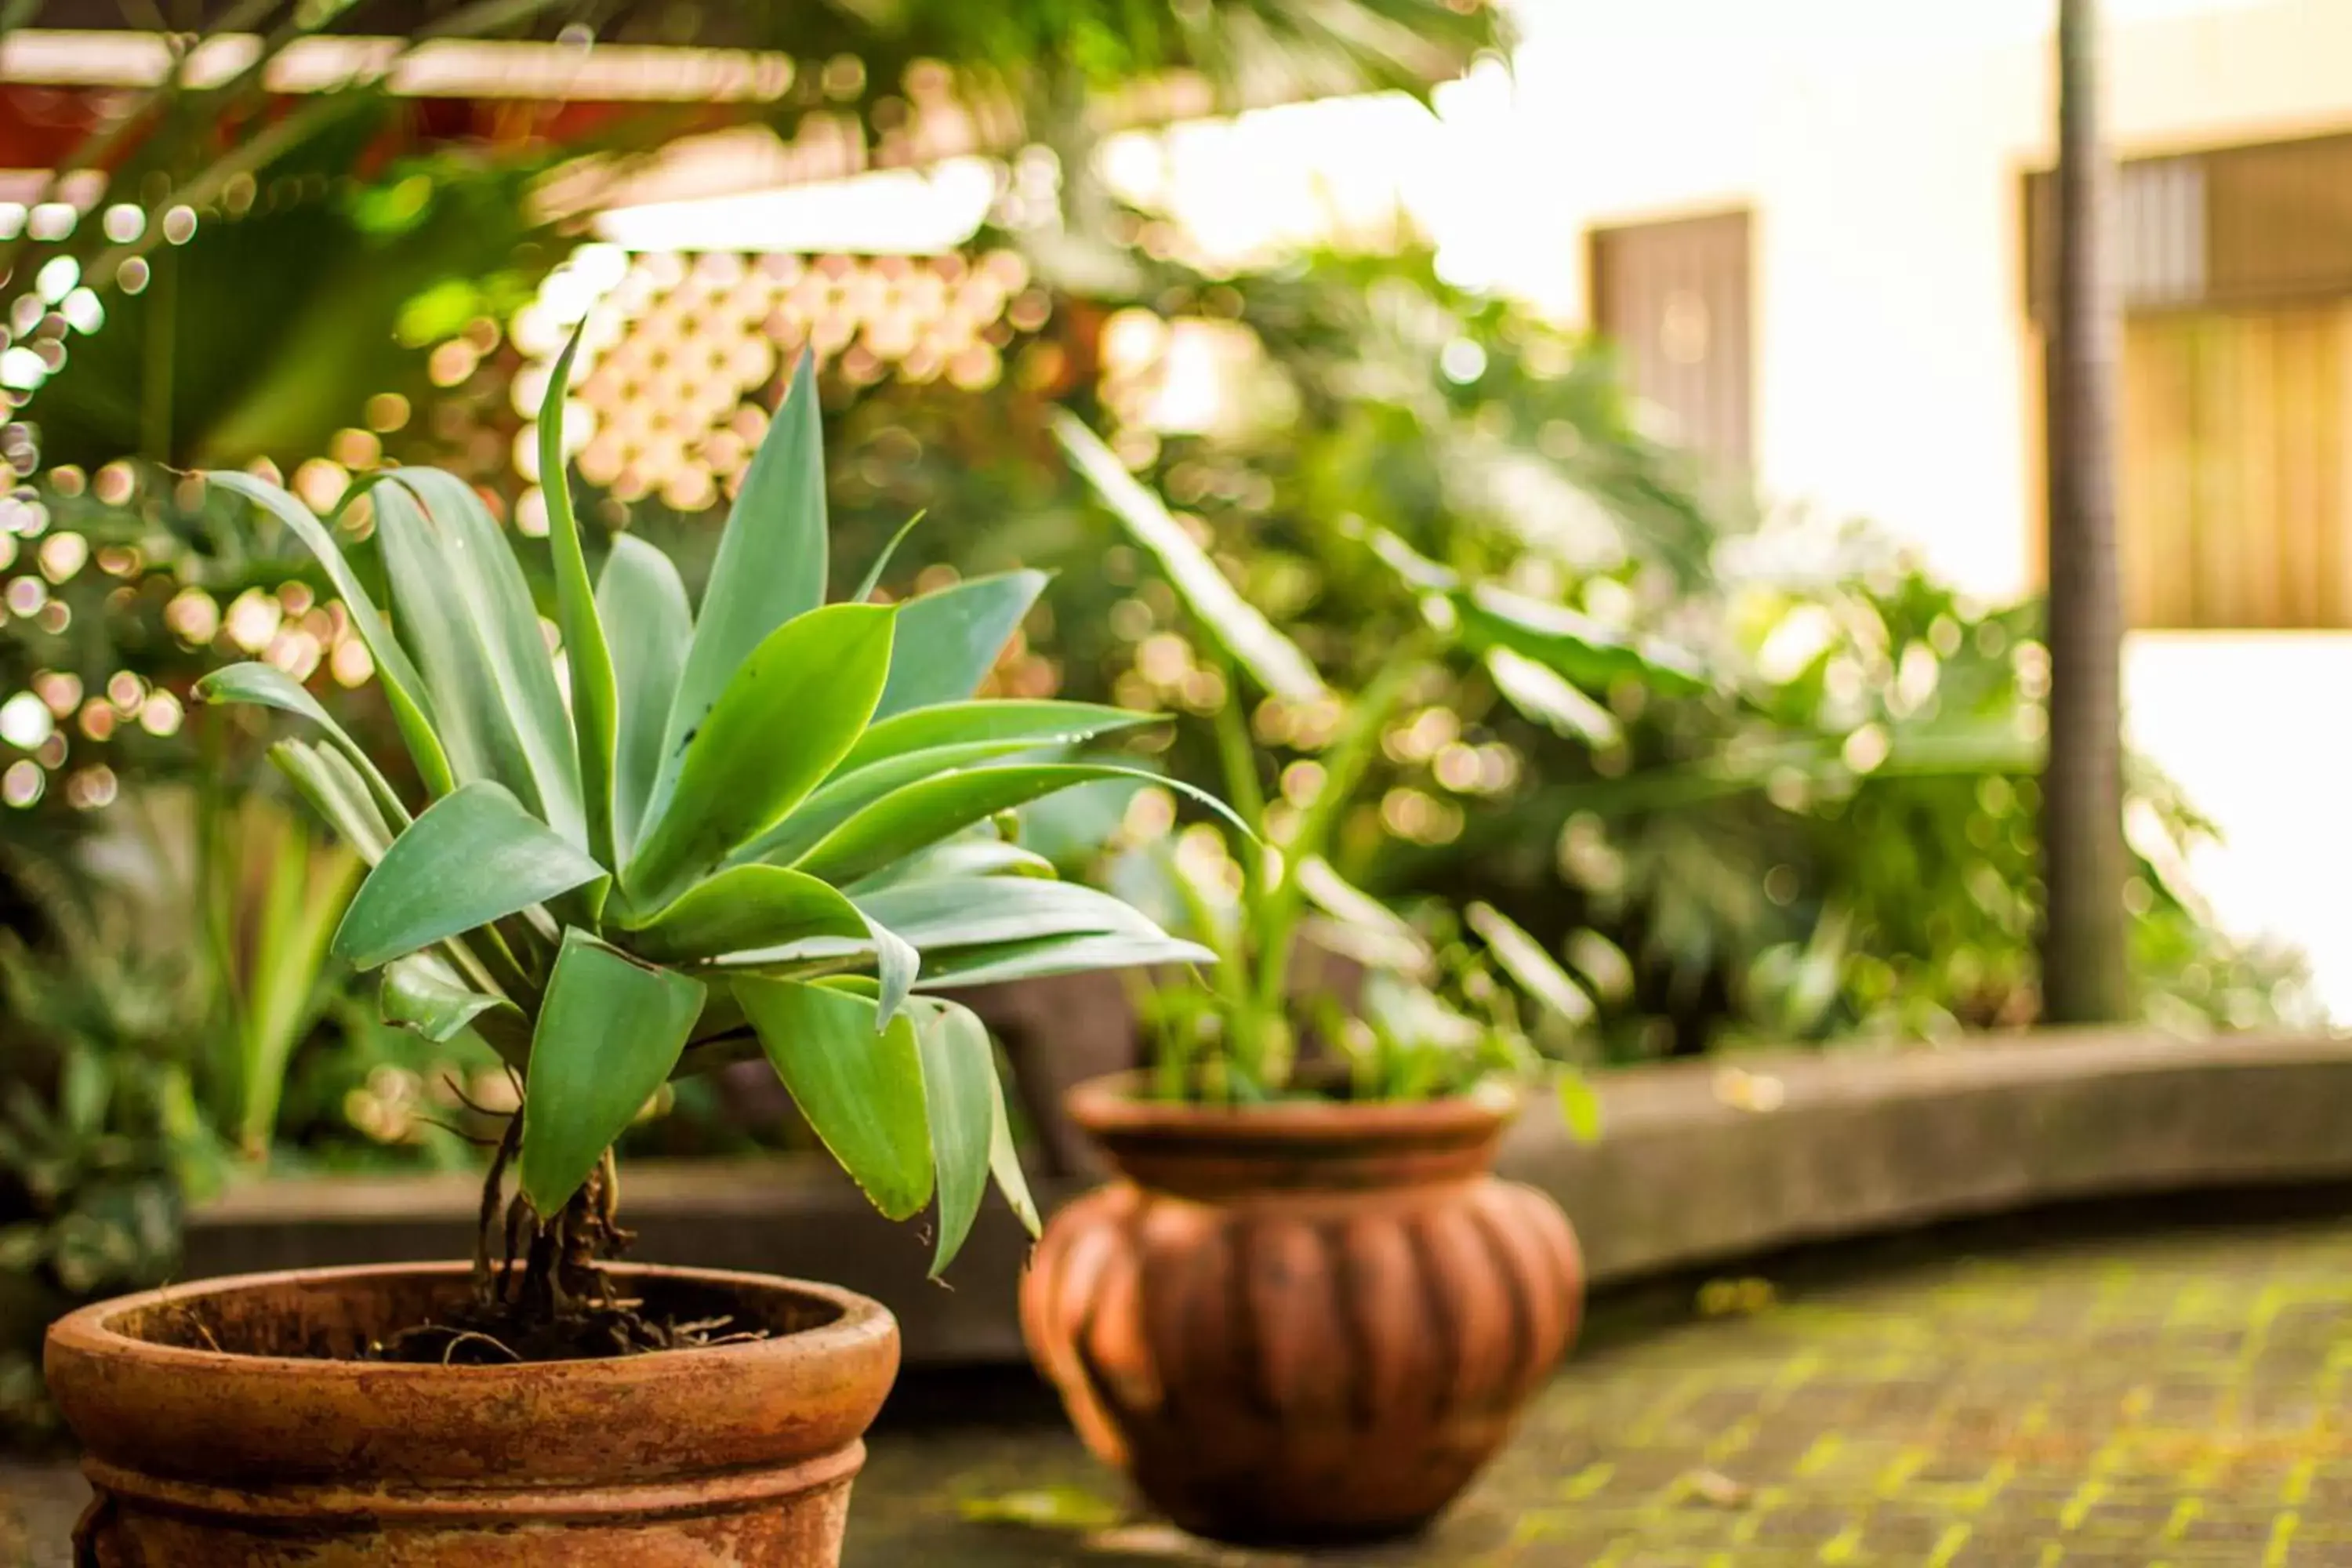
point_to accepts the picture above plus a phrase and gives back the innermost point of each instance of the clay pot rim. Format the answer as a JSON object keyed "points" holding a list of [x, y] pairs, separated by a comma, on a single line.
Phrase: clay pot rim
{"points": [[1110, 1107], [90, 1332]]}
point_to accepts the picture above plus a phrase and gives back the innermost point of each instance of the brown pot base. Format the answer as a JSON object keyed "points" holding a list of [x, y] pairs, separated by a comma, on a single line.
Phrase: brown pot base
{"points": [[225, 1425], [1303, 1324]]}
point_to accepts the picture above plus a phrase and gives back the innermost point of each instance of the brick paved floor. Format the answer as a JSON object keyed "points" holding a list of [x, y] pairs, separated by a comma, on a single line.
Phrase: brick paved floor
{"points": [[2174, 1398]]}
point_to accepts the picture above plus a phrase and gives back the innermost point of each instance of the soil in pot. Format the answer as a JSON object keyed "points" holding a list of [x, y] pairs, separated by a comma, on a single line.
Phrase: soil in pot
{"points": [[1304, 1322], [253, 1422]]}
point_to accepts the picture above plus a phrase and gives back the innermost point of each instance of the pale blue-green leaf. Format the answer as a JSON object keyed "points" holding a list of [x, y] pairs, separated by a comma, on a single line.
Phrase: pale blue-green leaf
{"points": [[423, 992], [963, 724], [586, 657], [770, 567], [896, 965], [1004, 1159], [862, 1091], [648, 626], [473, 856], [404, 688], [873, 578], [959, 1078], [336, 792], [794, 710], [972, 856], [746, 907], [950, 640], [466, 611], [922, 813], [1240, 628], [1037, 957], [971, 912], [610, 1029], [267, 686]]}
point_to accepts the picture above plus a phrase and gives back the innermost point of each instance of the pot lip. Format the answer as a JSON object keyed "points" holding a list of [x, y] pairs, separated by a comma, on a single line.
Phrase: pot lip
{"points": [[90, 1330], [1108, 1107]]}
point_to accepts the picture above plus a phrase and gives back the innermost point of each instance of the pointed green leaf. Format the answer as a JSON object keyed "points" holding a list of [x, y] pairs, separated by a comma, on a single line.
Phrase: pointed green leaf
{"points": [[648, 627], [267, 686], [974, 911], [1036, 957], [588, 659], [1588, 654], [1237, 625], [1523, 958], [964, 724], [610, 1029], [421, 993], [896, 965], [1548, 697], [746, 907], [862, 1091], [792, 712], [882, 562], [1004, 1160], [771, 564], [968, 857], [929, 809], [950, 641], [958, 1084], [468, 613], [473, 857], [404, 688], [336, 792], [847, 792]]}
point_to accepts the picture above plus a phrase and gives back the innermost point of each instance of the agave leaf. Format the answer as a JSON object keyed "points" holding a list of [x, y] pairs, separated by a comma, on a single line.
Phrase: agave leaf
{"points": [[847, 792], [468, 612], [1237, 625], [746, 907], [404, 688], [337, 792], [975, 911], [873, 578], [968, 857], [950, 641], [473, 856], [642, 605], [770, 568], [1033, 958], [896, 965], [424, 993], [267, 686], [1004, 1159], [923, 811], [959, 1095], [589, 660], [792, 712], [966, 723], [610, 1029], [861, 1091]]}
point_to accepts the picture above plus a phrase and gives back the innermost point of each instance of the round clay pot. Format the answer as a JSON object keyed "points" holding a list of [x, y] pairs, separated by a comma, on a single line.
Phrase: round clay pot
{"points": [[1300, 1322], [225, 1423]]}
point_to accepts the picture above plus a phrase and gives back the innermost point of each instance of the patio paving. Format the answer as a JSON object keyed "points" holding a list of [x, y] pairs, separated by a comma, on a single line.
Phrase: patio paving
{"points": [[1960, 1400]]}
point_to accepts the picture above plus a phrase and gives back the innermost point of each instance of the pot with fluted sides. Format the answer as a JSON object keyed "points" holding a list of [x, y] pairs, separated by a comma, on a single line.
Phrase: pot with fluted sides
{"points": [[1306, 1322]]}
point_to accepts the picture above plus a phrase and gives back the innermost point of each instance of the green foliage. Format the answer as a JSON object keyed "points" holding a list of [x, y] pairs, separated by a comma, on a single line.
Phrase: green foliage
{"points": [[506, 900]]}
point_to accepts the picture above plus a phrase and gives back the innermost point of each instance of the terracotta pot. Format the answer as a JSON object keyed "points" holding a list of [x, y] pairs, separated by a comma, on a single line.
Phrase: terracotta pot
{"points": [[1304, 1322], [222, 1429]]}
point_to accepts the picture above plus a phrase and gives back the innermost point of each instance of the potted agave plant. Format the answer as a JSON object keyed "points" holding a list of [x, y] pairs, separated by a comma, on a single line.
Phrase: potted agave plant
{"points": [[1305, 1311], [758, 828]]}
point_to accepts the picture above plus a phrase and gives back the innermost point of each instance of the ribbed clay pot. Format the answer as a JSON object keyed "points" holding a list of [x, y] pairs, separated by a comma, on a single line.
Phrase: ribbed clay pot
{"points": [[224, 1426], [1299, 1322]]}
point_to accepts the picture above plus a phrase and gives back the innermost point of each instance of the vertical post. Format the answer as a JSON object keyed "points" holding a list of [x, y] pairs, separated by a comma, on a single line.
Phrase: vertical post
{"points": [[2085, 972]]}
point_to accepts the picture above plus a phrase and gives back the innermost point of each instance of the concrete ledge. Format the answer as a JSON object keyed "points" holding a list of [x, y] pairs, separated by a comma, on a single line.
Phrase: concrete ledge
{"points": [[1698, 1162]]}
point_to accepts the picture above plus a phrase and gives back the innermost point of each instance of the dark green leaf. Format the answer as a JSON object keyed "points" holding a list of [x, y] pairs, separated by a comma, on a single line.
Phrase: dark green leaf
{"points": [[793, 710], [473, 857], [862, 1091], [586, 655], [950, 641], [959, 1094], [609, 1031], [642, 605], [746, 907], [404, 688], [770, 565]]}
